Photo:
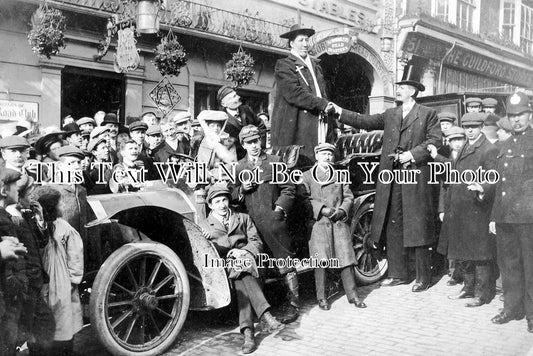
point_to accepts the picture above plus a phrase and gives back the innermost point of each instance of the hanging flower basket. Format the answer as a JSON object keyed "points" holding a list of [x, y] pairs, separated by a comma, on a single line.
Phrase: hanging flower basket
{"points": [[240, 69], [169, 56], [47, 32]]}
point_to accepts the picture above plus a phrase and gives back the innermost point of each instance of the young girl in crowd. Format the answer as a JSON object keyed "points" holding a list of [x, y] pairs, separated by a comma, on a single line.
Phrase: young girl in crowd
{"points": [[63, 261]]}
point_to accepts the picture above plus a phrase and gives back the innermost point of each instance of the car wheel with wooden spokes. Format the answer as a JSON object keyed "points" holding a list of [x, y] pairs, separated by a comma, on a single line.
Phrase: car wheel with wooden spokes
{"points": [[140, 299]]}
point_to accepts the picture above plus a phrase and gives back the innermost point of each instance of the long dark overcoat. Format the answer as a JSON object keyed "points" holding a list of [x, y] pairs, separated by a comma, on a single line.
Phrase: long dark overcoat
{"points": [[418, 129], [296, 106], [330, 239], [261, 201], [466, 217]]}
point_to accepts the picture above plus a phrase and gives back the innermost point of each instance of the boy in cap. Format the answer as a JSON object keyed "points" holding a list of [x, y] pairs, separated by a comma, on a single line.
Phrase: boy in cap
{"points": [[473, 105], [100, 169], [149, 118], [153, 138], [170, 145], [490, 127], [138, 134], [467, 213], [331, 237], [505, 130], [111, 122], [268, 204], [489, 105], [512, 214], [239, 115], [235, 237], [73, 134], [86, 124]]}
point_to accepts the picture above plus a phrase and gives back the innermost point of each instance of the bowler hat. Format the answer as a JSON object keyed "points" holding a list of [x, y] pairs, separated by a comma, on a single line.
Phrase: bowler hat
{"points": [[70, 151], [489, 102], [473, 119], [216, 190], [248, 133], [8, 176], [138, 125], [71, 128], [454, 132], [447, 116], [14, 142], [297, 29], [517, 103], [223, 92], [43, 144], [110, 118], [325, 147]]}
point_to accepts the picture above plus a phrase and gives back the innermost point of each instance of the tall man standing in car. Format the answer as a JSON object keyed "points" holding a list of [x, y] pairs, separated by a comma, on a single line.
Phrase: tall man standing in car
{"points": [[512, 214], [404, 213], [300, 103]]}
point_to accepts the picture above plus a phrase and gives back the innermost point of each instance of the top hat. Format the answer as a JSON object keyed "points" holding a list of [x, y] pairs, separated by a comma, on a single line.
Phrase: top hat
{"points": [[411, 77], [296, 30]]}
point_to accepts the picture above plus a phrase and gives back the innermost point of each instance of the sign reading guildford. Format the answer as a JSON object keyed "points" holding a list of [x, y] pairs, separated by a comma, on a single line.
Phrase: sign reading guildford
{"points": [[467, 60]]}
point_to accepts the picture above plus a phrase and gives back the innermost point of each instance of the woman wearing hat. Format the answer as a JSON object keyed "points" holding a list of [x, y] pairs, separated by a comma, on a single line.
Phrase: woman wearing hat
{"points": [[300, 96]]}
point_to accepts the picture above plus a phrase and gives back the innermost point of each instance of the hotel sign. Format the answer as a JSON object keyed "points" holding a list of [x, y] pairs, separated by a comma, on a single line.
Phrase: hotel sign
{"points": [[467, 60]]}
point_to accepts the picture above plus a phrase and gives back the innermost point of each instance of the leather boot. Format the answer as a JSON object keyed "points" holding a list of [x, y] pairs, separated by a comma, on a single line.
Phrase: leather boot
{"points": [[291, 311], [249, 345], [483, 289], [468, 287], [269, 323]]}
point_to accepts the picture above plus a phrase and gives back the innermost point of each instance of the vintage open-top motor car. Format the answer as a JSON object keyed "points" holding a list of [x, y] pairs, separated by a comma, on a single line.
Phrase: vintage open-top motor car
{"points": [[145, 265]]}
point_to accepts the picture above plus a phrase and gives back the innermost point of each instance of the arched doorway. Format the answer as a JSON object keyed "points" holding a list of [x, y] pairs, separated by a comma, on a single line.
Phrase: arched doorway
{"points": [[349, 80]]}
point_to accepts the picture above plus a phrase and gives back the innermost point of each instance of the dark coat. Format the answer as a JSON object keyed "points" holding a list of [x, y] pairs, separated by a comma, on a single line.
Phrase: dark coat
{"points": [[261, 201], [296, 106], [241, 234], [247, 117], [513, 200], [330, 239], [420, 128], [466, 217]]}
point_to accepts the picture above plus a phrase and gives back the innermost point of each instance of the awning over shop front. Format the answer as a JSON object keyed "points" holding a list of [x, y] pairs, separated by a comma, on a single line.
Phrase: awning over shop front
{"points": [[466, 59]]}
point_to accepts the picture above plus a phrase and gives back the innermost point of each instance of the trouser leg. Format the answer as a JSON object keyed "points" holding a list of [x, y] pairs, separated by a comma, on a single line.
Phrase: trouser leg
{"points": [[348, 282], [526, 250], [422, 264], [243, 303], [511, 268], [320, 283], [467, 269], [396, 252], [250, 298], [9, 328], [484, 281]]}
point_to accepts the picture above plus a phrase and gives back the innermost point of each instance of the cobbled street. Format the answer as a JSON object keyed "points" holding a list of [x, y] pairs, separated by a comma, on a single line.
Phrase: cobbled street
{"points": [[396, 322]]}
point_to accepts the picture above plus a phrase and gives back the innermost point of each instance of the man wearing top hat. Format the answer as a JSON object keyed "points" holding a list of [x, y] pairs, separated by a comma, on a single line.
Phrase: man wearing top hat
{"points": [[405, 214], [301, 98], [512, 214], [467, 214], [239, 115], [268, 204]]}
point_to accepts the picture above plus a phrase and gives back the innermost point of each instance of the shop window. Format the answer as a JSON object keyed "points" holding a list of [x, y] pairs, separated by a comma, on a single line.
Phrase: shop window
{"points": [[465, 14], [85, 91], [205, 98], [441, 9], [526, 29], [462, 13], [508, 20]]}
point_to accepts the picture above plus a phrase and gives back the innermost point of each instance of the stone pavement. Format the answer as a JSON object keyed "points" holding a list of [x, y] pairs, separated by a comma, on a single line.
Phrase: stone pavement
{"points": [[396, 322]]}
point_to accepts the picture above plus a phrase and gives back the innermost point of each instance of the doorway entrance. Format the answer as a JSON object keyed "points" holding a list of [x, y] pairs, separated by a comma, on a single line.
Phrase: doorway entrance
{"points": [[86, 91], [349, 80]]}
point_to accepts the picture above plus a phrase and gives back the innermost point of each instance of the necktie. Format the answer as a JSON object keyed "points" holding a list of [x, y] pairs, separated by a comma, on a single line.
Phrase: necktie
{"points": [[225, 221]]}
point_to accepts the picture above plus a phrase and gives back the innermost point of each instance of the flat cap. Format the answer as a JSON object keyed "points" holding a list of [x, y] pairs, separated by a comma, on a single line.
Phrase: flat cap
{"points": [[325, 147], [447, 116], [153, 130], [473, 101], [248, 133], [138, 125], [99, 131], [14, 142], [43, 144], [491, 120], [489, 102], [216, 190], [517, 103], [95, 142], [8, 176], [110, 118], [505, 124], [213, 115], [222, 92], [473, 119], [181, 117], [454, 132], [86, 120], [70, 151]]}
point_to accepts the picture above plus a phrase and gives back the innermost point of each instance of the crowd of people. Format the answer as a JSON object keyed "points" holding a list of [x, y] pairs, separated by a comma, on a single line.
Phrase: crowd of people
{"points": [[483, 229]]}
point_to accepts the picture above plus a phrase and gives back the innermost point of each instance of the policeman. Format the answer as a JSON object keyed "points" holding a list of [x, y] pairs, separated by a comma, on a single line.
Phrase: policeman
{"points": [[512, 214], [473, 105]]}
